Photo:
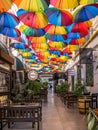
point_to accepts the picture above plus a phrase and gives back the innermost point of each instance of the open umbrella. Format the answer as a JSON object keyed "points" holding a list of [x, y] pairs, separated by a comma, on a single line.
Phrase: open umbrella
{"points": [[52, 29], [64, 4], [75, 41], [8, 20], [5, 5], [41, 39], [85, 13], [59, 17], [72, 35], [32, 5], [81, 27], [87, 1], [57, 45], [59, 38], [17, 45], [10, 32], [33, 19], [31, 31]]}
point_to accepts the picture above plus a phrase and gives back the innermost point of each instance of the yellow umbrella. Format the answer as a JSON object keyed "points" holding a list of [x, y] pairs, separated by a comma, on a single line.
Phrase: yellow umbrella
{"points": [[32, 5], [88, 1], [52, 29], [41, 39], [58, 45], [72, 48], [5, 5], [25, 54], [64, 4]]}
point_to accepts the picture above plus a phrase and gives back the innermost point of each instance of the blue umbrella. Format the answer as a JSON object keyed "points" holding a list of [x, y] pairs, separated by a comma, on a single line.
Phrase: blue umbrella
{"points": [[73, 35], [18, 45], [10, 32], [8, 20], [85, 13], [58, 38], [58, 53]]}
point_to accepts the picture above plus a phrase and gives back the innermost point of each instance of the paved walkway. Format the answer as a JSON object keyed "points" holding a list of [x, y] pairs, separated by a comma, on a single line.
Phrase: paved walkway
{"points": [[56, 117]]}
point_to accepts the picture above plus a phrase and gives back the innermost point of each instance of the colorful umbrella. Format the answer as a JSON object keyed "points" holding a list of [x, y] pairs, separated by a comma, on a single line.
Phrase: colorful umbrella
{"points": [[58, 45], [32, 5], [81, 27], [5, 5], [58, 53], [33, 19], [31, 31], [85, 13], [75, 41], [59, 17], [73, 35], [18, 45], [8, 20], [52, 29], [59, 38], [87, 1], [40, 46], [63, 4], [10, 32], [41, 39]]}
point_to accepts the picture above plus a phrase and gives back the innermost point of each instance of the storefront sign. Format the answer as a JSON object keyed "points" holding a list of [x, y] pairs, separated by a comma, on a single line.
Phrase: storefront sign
{"points": [[71, 72], [32, 75]]}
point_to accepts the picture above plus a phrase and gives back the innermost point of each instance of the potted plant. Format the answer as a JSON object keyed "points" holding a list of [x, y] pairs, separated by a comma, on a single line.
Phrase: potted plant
{"points": [[79, 91]]}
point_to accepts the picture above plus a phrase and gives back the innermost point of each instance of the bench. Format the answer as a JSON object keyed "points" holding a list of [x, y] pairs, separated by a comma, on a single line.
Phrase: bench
{"points": [[21, 113]]}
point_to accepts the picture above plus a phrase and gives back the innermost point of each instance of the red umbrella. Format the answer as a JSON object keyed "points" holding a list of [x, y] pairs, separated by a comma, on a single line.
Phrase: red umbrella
{"points": [[77, 41], [82, 28]]}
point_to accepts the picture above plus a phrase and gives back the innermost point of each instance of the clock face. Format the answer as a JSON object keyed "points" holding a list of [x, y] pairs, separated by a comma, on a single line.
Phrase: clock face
{"points": [[32, 75]]}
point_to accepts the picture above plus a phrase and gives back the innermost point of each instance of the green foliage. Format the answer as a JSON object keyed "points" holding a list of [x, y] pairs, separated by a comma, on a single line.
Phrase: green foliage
{"points": [[63, 87], [92, 121], [27, 91], [79, 89]]}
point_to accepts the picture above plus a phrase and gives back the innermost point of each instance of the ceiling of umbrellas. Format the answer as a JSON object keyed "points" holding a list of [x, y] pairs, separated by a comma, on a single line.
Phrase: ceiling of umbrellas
{"points": [[46, 32]]}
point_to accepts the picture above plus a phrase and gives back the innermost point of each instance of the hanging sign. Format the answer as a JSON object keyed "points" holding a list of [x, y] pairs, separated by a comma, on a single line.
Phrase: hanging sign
{"points": [[32, 75]]}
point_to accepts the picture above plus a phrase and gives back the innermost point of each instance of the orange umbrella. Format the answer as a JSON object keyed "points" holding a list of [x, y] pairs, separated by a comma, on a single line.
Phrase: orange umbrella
{"points": [[5, 5], [41, 39]]}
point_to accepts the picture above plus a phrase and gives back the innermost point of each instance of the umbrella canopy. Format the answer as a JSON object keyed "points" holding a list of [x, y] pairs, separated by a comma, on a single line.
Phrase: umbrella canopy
{"points": [[81, 27], [8, 20], [18, 45], [87, 1], [73, 35], [75, 41], [33, 19], [64, 4], [41, 39], [57, 45], [59, 17], [52, 29], [5, 5], [32, 5], [85, 13], [10, 32], [31, 31], [40, 46], [59, 38]]}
